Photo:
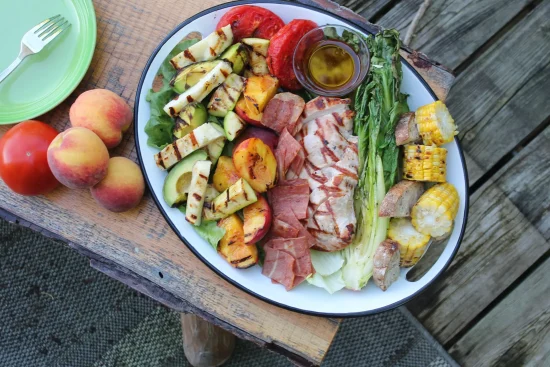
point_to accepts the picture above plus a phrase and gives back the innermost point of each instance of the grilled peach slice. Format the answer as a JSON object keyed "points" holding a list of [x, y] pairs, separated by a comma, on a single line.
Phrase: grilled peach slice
{"points": [[256, 163], [258, 91], [232, 246], [251, 116], [257, 220], [267, 136], [225, 174]]}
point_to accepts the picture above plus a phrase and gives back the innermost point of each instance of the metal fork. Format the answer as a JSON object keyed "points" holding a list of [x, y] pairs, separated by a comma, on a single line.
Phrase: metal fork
{"points": [[36, 39]]}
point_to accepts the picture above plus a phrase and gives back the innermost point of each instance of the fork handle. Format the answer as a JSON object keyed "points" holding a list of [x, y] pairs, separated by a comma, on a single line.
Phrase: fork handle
{"points": [[9, 69], [23, 52]]}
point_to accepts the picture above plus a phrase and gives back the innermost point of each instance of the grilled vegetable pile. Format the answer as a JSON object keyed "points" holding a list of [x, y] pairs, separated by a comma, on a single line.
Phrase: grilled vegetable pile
{"points": [[212, 89], [249, 163]]}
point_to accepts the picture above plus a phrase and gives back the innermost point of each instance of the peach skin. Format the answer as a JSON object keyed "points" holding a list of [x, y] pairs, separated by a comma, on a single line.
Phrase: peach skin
{"points": [[103, 112], [122, 188], [78, 158]]}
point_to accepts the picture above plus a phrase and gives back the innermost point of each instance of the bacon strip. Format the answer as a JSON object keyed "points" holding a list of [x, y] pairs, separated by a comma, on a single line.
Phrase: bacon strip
{"points": [[290, 195], [283, 111], [286, 152], [279, 266]]}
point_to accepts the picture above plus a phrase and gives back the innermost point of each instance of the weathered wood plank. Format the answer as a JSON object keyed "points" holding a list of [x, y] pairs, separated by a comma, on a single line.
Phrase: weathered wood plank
{"points": [[474, 171], [370, 9], [524, 180], [516, 332], [500, 244], [515, 120], [506, 85], [451, 30]]}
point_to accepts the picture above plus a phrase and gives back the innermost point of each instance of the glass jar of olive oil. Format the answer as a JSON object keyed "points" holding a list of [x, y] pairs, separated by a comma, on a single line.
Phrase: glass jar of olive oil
{"points": [[331, 60]]}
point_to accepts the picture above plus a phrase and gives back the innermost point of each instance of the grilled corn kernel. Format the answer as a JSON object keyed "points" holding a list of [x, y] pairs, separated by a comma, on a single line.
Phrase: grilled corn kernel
{"points": [[435, 124], [435, 211], [425, 163], [412, 244]]}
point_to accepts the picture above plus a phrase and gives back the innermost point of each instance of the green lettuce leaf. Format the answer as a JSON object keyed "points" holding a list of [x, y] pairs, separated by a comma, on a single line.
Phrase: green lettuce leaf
{"points": [[159, 131], [326, 263], [332, 283], [378, 105], [160, 126], [208, 230]]}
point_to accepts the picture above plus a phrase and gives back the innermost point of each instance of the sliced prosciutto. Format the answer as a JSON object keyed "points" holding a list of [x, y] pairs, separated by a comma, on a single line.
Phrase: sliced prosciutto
{"points": [[283, 111], [286, 225], [288, 235], [297, 247], [279, 266], [303, 267], [290, 195], [296, 165], [286, 152], [281, 228]]}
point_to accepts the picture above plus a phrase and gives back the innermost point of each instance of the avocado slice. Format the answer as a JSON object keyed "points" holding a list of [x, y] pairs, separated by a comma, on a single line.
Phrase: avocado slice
{"points": [[238, 56], [190, 75], [176, 184], [192, 116]]}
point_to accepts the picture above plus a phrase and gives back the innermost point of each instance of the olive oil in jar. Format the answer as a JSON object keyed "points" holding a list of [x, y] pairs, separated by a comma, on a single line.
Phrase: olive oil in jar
{"points": [[332, 64]]}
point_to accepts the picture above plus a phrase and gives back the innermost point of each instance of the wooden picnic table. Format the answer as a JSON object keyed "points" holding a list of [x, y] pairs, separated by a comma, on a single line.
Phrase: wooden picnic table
{"points": [[491, 305]]}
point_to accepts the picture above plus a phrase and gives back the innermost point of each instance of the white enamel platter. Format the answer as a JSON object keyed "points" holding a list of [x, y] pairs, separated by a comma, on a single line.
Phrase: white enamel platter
{"points": [[304, 298]]}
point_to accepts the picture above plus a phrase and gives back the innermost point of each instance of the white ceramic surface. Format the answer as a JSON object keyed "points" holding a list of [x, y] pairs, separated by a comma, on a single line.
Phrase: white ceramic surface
{"points": [[305, 298]]}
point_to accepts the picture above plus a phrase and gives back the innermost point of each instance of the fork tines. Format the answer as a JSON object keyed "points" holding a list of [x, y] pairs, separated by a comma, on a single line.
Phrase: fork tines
{"points": [[51, 27]]}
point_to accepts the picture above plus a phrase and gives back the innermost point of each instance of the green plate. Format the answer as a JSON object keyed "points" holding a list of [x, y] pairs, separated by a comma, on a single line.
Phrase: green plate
{"points": [[44, 80]]}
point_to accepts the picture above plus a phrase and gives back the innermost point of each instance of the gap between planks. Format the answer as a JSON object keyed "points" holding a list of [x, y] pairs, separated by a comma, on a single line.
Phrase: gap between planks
{"points": [[522, 322]]}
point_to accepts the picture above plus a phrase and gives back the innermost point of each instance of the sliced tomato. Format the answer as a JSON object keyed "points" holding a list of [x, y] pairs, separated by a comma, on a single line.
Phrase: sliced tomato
{"points": [[251, 21], [281, 51]]}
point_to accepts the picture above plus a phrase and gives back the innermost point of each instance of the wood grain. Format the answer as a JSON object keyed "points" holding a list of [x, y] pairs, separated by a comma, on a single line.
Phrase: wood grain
{"points": [[523, 113], [524, 180], [369, 9], [499, 245], [474, 170], [452, 30], [514, 333], [501, 97]]}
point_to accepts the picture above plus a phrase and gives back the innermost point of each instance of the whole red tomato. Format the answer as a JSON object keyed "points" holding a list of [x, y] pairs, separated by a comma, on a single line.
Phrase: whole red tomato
{"points": [[251, 21], [23, 158]]}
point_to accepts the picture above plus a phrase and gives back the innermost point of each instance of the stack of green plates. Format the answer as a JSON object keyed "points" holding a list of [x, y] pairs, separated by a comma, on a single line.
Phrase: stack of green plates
{"points": [[44, 80]]}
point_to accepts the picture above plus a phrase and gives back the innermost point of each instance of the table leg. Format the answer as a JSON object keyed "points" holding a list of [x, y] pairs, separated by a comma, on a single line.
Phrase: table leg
{"points": [[204, 344]]}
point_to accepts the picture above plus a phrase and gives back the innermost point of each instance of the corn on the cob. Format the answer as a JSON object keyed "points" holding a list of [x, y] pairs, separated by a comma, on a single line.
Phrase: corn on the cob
{"points": [[435, 124], [435, 211], [424, 163], [412, 244]]}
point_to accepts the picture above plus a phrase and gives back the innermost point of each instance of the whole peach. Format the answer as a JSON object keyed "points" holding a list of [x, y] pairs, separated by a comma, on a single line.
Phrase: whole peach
{"points": [[78, 158], [103, 112], [122, 188]]}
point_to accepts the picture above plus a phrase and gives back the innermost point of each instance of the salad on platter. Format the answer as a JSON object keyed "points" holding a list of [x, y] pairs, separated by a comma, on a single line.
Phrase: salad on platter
{"points": [[291, 147]]}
